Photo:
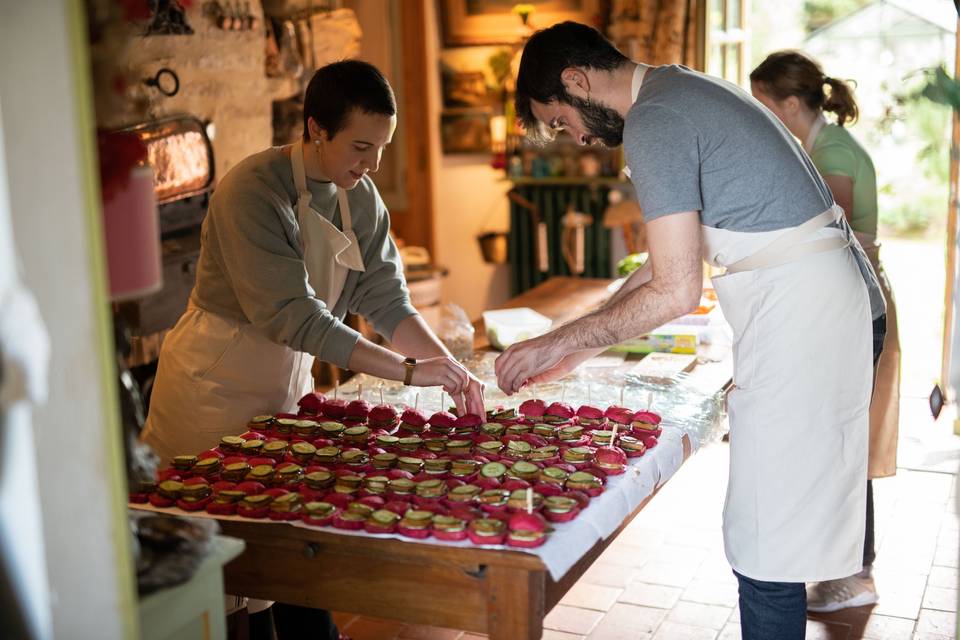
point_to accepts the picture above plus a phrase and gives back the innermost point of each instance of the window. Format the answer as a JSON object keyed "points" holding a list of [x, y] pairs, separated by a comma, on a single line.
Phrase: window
{"points": [[726, 40]]}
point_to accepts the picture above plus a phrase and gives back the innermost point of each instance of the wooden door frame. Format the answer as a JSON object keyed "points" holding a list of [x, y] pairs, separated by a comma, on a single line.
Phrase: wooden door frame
{"points": [[415, 224], [953, 211]]}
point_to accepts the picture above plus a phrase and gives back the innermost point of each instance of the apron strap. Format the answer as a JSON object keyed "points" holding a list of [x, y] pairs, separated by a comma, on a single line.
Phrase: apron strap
{"points": [[790, 246], [345, 220], [299, 175], [350, 255]]}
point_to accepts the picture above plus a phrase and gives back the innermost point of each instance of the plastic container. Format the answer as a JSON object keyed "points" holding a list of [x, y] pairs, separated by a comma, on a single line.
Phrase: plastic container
{"points": [[507, 326]]}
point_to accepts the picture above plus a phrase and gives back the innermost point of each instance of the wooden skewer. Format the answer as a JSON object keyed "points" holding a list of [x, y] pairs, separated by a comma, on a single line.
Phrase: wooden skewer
{"points": [[529, 500], [416, 402], [381, 393], [441, 400], [359, 392], [613, 438]]}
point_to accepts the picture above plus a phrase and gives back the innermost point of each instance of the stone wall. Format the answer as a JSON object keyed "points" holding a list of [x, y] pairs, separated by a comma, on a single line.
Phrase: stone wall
{"points": [[222, 74]]}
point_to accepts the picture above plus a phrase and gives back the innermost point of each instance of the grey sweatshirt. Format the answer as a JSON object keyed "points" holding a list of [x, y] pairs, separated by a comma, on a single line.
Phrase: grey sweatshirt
{"points": [[251, 264]]}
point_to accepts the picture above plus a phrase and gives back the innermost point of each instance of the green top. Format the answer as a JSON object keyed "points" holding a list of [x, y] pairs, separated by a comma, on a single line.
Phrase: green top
{"points": [[837, 153]]}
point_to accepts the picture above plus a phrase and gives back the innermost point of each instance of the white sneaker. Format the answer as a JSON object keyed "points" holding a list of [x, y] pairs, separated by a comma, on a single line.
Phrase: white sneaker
{"points": [[843, 593]]}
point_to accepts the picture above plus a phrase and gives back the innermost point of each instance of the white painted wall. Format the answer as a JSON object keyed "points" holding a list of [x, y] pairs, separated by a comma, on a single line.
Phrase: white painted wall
{"points": [[21, 530], [87, 551], [469, 198]]}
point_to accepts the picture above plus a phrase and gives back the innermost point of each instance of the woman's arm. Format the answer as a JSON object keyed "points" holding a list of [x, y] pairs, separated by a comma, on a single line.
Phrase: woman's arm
{"points": [[437, 370], [842, 189], [414, 337]]}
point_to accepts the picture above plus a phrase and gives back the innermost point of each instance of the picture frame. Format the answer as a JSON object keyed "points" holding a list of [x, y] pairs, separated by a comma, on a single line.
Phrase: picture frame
{"points": [[465, 131], [465, 89], [490, 22]]}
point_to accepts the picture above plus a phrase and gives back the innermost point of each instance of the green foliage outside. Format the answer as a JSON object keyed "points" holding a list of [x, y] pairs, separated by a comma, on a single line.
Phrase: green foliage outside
{"points": [[925, 109], [817, 13], [919, 207]]}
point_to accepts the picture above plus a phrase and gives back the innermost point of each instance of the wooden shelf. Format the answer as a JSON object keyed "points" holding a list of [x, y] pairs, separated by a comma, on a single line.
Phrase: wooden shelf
{"points": [[600, 180]]}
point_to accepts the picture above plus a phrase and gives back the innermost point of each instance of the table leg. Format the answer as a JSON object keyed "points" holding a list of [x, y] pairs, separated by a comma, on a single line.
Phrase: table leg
{"points": [[515, 603]]}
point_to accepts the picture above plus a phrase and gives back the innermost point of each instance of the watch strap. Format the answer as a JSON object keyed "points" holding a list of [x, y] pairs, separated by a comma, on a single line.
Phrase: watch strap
{"points": [[410, 364]]}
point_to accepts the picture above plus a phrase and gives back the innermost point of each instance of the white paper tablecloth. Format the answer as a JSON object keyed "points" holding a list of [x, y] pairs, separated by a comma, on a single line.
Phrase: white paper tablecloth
{"points": [[570, 540]]}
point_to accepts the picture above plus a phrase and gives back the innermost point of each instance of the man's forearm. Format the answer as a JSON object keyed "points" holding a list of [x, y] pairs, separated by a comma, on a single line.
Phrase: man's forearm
{"points": [[639, 277], [646, 305]]}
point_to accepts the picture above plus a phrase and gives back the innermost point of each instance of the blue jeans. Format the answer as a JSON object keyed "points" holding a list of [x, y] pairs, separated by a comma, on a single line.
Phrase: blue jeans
{"points": [[772, 610]]}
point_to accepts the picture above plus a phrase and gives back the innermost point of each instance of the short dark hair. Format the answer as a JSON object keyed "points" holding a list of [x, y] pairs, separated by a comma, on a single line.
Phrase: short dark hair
{"points": [[547, 54], [338, 88]]}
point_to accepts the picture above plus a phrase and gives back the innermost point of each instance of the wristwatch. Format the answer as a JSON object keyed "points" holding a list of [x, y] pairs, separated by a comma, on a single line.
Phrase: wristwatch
{"points": [[410, 364]]}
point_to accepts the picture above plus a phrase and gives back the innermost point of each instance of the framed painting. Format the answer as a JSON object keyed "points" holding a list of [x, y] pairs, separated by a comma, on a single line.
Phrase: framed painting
{"points": [[485, 22], [465, 131]]}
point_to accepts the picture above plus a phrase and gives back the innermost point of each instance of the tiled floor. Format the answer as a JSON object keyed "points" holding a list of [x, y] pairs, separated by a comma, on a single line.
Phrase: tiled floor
{"points": [[666, 577]]}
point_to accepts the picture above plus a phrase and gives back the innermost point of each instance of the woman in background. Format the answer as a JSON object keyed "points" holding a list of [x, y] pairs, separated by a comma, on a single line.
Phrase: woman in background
{"points": [[795, 89]]}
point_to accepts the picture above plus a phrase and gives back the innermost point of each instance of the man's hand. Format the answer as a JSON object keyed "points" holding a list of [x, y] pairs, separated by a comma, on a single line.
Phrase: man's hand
{"points": [[667, 289], [567, 364], [524, 360]]}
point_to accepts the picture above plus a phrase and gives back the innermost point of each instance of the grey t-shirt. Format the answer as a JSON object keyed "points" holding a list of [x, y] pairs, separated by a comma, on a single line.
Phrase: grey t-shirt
{"points": [[251, 264], [698, 143]]}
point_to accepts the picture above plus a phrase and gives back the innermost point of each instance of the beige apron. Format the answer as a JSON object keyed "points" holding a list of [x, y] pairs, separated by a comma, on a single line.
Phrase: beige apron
{"points": [[885, 405], [215, 373], [800, 314]]}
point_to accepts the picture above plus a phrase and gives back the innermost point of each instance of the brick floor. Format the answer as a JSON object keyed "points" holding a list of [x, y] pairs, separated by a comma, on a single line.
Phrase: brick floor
{"points": [[666, 578]]}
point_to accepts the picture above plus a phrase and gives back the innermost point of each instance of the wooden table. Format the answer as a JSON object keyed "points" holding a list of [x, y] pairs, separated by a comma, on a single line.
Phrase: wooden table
{"points": [[561, 299], [505, 594]]}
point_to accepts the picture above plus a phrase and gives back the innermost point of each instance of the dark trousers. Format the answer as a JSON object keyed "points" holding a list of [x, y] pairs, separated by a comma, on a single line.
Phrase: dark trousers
{"points": [[869, 550], [772, 610]]}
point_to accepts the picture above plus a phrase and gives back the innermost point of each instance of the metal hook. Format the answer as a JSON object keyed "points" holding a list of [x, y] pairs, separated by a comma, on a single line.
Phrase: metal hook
{"points": [[157, 82]]}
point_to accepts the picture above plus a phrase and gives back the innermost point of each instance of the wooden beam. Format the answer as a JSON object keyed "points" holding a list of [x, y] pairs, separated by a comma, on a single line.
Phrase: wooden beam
{"points": [[415, 224], [951, 248]]}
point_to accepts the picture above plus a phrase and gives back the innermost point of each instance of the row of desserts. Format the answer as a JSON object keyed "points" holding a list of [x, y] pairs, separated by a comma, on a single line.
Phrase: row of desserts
{"points": [[425, 489]]}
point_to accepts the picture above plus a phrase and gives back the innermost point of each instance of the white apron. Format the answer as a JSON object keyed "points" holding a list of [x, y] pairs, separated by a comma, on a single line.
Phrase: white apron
{"points": [[800, 314], [215, 373]]}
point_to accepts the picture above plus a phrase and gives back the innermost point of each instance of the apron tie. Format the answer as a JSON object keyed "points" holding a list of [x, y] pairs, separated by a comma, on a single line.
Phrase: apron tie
{"points": [[789, 246]]}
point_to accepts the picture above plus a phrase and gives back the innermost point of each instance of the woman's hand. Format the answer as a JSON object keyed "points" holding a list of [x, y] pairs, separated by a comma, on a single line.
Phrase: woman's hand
{"points": [[441, 371], [462, 386], [473, 395]]}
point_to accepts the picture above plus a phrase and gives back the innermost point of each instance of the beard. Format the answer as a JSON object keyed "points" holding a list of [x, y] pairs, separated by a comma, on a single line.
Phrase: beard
{"points": [[603, 123]]}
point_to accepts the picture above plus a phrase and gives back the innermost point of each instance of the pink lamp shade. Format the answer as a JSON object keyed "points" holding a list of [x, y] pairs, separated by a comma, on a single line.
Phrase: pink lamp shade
{"points": [[132, 231]]}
